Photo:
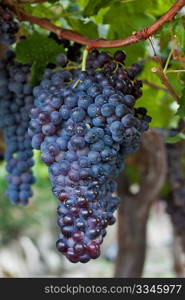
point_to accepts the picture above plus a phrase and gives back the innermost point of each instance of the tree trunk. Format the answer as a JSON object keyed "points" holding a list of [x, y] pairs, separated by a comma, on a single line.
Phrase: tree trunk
{"points": [[134, 210], [179, 256], [131, 240]]}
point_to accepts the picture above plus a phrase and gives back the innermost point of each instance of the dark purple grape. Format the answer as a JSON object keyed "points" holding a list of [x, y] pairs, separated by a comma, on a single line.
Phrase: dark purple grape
{"points": [[61, 60], [119, 56]]}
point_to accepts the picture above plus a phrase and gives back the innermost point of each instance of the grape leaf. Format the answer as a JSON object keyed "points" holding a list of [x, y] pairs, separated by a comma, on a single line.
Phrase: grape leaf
{"points": [[39, 50], [179, 31], [164, 37], [88, 29], [93, 7], [157, 101], [123, 14], [157, 7], [43, 10]]}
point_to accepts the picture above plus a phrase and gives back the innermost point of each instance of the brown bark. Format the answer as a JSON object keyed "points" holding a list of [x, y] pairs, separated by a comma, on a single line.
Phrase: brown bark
{"points": [[134, 209]]}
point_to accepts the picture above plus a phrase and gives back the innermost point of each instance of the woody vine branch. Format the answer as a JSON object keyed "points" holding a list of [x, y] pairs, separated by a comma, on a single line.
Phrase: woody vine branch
{"points": [[136, 37]]}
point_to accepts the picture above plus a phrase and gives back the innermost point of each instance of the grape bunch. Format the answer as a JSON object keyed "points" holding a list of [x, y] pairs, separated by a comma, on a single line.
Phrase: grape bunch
{"points": [[73, 50], [85, 123], [8, 26], [16, 101]]}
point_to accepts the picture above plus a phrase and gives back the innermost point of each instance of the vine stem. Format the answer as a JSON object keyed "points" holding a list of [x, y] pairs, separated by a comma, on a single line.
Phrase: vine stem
{"points": [[98, 43], [168, 60], [164, 79]]}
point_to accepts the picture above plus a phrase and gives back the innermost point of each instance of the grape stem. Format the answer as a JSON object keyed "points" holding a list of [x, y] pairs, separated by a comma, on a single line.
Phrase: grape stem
{"points": [[136, 37], [164, 79], [175, 71], [84, 59], [168, 60]]}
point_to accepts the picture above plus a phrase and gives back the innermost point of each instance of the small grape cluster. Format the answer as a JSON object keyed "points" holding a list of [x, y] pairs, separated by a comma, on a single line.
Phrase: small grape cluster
{"points": [[135, 69], [73, 51], [16, 101], [8, 26], [85, 124]]}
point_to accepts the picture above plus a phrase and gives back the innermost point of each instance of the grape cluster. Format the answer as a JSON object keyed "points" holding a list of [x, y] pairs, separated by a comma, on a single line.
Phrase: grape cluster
{"points": [[16, 101], [85, 124], [8, 26], [73, 50]]}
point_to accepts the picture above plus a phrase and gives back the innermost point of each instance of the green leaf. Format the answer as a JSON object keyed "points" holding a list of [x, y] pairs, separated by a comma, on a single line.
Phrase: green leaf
{"points": [[179, 31], [39, 50], [175, 139], [93, 7], [158, 7], [88, 29], [164, 38], [158, 105], [165, 34], [157, 101], [130, 18], [44, 10]]}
